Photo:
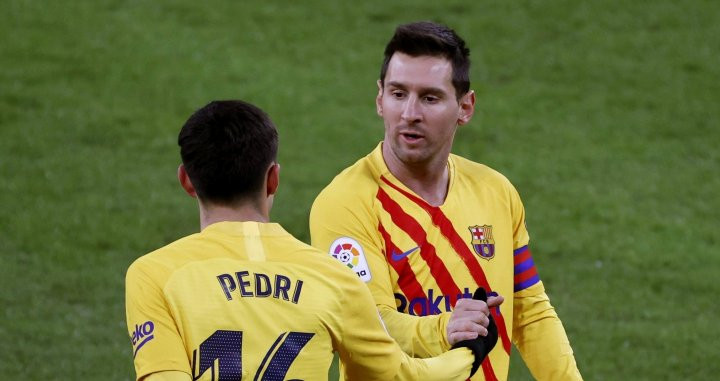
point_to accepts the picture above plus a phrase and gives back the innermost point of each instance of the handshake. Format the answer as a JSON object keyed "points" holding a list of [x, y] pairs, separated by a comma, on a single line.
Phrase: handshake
{"points": [[481, 345]]}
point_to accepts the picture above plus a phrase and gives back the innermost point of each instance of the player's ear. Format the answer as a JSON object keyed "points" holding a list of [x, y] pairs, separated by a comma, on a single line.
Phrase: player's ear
{"points": [[467, 107], [185, 182], [378, 99], [273, 179]]}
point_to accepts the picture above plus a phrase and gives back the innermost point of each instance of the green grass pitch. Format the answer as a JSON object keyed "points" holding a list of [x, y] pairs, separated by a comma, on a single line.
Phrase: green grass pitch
{"points": [[604, 114]]}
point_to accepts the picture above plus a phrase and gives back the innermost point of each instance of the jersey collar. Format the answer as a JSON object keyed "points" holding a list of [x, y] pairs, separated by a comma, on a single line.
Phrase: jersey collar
{"points": [[245, 228], [380, 169]]}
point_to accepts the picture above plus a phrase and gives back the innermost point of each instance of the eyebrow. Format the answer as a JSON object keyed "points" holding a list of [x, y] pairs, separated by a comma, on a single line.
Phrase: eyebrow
{"points": [[423, 90]]}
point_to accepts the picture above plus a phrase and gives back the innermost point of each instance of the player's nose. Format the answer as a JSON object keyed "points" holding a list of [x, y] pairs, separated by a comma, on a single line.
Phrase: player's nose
{"points": [[412, 111]]}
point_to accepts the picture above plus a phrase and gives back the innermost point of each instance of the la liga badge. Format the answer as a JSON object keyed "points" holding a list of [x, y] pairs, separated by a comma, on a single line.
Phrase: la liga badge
{"points": [[482, 241], [349, 252]]}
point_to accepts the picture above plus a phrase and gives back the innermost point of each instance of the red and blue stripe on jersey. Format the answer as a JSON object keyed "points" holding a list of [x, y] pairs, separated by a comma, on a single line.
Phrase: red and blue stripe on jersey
{"points": [[407, 280], [526, 274]]}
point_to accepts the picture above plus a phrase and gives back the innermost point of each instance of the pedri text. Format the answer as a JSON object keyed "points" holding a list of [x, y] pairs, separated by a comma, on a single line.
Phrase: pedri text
{"points": [[247, 285]]}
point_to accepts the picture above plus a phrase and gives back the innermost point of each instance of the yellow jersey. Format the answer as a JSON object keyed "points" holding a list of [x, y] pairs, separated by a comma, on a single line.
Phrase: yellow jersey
{"points": [[418, 260], [246, 300]]}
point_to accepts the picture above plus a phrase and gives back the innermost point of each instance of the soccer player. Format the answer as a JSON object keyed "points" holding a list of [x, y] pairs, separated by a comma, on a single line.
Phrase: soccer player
{"points": [[424, 227], [243, 299]]}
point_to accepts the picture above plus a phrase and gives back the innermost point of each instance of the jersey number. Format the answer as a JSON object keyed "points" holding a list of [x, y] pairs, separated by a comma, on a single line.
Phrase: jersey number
{"points": [[226, 348]]}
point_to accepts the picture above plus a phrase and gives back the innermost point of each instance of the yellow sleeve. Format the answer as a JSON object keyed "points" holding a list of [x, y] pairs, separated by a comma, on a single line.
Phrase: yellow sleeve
{"points": [[171, 375], [367, 352], [334, 220], [538, 332], [452, 365], [418, 336], [521, 237], [540, 337], [157, 345]]}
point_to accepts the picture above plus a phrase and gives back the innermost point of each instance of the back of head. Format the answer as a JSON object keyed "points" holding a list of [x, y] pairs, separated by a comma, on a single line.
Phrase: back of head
{"points": [[227, 148], [426, 38]]}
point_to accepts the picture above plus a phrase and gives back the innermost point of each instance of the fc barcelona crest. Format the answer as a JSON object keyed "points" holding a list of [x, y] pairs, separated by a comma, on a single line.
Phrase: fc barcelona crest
{"points": [[482, 241]]}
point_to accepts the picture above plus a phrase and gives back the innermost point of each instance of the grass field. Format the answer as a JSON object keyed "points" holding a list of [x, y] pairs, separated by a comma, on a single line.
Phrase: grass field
{"points": [[604, 114]]}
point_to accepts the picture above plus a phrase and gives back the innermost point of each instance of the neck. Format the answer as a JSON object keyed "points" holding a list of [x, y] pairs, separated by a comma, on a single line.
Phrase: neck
{"points": [[429, 180], [210, 214]]}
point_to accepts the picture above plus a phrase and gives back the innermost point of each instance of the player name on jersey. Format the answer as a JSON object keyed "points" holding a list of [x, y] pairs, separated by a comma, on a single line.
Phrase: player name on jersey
{"points": [[247, 285]]}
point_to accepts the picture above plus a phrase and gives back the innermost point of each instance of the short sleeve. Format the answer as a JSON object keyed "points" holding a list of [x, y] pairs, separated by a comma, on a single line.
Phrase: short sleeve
{"points": [[157, 345], [347, 230]]}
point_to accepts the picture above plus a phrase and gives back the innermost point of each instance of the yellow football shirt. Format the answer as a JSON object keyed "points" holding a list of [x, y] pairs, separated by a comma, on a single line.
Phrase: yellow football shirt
{"points": [[246, 300], [419, 259]]}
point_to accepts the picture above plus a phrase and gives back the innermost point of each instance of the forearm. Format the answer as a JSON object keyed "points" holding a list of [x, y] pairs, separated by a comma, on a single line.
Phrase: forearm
{"points": [[452, 365], [397, 365], [542, 342], [417, 336], [167, 376], [367, 352]]}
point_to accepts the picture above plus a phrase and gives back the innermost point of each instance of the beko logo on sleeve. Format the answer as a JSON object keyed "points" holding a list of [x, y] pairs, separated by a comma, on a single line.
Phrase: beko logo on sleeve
{"points": [[141, 335], [349, 252]]}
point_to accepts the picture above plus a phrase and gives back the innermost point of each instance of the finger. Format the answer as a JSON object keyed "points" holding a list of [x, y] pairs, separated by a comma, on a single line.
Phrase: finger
{"points": [[478, 318], [467, 327], [495, 301], [470, 305], [470, 326], [460, 336]]}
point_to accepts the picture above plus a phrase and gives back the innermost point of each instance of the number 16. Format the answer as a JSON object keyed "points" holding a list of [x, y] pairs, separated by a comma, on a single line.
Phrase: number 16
{"points": [[226, 347]]}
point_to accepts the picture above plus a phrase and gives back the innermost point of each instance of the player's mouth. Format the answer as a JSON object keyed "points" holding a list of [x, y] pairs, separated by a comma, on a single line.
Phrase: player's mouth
{"points": [[411, 136]]}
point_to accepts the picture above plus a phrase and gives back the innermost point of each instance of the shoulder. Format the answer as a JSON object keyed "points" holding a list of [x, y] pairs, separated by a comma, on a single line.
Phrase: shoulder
{"points": [[312, 257], [322, 265], [477, 175], [161, 263], [355, 185]]}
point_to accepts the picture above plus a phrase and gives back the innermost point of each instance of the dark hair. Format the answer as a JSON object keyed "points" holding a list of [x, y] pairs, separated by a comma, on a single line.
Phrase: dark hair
{"points": [[227, 147], [426, 38]]}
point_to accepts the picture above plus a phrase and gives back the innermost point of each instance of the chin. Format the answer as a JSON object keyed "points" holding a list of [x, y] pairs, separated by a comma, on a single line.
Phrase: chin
{"points": [[410, 157]]}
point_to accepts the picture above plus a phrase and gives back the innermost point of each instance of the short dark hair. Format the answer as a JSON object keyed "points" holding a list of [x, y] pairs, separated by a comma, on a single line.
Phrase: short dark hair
{"points": [[426, 38], [226, 148]]}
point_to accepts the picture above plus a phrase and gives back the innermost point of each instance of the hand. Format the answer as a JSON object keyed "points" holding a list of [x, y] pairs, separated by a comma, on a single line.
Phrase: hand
{"points": [[470, 319], [481, 345]]}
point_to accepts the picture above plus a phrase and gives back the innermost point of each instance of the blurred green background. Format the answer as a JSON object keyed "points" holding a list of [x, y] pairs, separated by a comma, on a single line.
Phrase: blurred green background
{"points": [[604, 114]]}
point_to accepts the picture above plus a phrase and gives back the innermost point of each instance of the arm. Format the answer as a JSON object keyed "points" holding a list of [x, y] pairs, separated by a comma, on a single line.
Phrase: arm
{"points": [[170, 375], [418, 336], [469, 320], [367, 352], [540, 337], [157, 345], [538, 332]]}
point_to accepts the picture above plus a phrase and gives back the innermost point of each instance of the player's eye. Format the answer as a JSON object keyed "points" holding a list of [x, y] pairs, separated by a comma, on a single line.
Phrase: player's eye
{"points": [[397, 94], [431, 99]]}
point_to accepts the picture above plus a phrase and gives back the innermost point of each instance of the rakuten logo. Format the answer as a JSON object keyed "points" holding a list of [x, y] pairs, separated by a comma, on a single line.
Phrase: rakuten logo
{"points": [[433, 304]]}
